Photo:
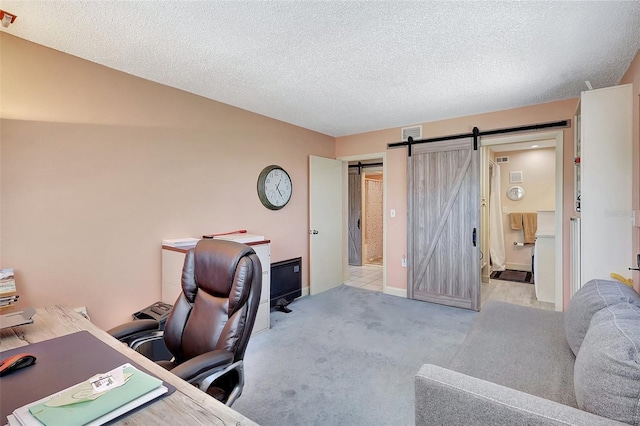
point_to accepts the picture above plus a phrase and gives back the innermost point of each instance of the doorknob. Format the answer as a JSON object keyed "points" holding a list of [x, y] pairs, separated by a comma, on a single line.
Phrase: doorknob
{"points": [[313, 231]]}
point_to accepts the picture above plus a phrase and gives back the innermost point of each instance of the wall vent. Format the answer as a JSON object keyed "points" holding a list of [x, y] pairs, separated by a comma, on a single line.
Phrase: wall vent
{"points": [[502, 159], [415, 132], [516, 177]]}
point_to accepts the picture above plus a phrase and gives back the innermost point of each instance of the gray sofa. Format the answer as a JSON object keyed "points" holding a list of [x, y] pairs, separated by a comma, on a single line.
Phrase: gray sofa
{"points": [[517, 365]]}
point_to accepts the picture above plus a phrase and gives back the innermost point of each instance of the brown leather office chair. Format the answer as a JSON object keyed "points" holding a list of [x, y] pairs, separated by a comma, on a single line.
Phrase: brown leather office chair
{"points": [[209, 326]]}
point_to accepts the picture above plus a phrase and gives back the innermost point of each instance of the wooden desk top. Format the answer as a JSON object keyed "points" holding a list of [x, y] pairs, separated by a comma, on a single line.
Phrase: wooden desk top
{"points": [[186, 406]]}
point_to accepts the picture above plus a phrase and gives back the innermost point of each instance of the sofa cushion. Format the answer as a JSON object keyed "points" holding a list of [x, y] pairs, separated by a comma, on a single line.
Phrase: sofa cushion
{"points": [[607, 368], [592, 297], [521, 348]]}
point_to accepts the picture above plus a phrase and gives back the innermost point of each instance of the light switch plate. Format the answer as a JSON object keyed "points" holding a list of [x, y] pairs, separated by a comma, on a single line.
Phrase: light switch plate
{"points": [[393, 212]]}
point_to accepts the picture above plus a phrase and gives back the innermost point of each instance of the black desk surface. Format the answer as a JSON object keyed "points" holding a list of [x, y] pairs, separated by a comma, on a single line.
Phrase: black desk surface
{"points": [[61, 362]]}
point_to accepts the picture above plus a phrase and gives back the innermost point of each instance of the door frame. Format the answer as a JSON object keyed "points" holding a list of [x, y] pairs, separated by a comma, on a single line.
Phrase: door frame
{"points": [[558, 135], [345, 212]]}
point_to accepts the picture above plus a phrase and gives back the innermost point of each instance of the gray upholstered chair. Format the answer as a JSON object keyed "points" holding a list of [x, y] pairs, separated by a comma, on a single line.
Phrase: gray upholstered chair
{"points": [[209, 326]]}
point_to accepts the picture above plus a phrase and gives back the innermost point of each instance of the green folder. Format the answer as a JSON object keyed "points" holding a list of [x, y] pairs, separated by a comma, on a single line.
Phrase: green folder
{"points": [[82, 413]]}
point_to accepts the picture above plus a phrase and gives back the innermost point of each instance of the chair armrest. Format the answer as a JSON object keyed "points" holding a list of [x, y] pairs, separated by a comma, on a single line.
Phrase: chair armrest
{"points": [[131, 328], [208, 362], [447, 397]]}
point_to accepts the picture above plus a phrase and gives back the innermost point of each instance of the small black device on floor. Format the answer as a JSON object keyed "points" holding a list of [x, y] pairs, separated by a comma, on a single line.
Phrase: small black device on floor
{"points": [[281, 305]]}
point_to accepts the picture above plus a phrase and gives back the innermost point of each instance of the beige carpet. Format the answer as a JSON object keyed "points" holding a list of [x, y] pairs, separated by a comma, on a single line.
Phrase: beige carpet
{"points": [[346, 357]]}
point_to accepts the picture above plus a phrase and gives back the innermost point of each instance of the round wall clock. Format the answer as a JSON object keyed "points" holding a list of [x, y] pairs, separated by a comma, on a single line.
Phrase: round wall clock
{"points": [[515, 193], [274, 187]]}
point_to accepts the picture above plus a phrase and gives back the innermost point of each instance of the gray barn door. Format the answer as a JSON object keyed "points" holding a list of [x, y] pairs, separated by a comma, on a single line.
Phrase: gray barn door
{"points": [[443, 223], [355, 219]]}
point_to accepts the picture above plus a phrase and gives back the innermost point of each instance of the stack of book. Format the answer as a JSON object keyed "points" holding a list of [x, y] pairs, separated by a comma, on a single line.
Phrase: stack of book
{"points": [[8, 295], [181, 242], [95, 401], [240, 237]]}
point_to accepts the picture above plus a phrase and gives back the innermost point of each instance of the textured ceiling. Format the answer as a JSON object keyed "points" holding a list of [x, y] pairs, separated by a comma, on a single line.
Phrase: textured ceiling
{"points": [[348, 67]]}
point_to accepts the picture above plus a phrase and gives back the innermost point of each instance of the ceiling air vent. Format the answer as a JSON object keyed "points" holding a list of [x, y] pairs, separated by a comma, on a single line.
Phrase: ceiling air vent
{"points": [[415, 132], [502, 159]]}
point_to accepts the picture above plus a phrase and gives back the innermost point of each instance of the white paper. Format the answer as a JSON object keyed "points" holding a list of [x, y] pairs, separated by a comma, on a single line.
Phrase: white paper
{"points": [[25, 418]]}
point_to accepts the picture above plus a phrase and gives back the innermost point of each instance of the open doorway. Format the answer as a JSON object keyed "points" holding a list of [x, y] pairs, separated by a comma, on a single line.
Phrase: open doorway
{"points": [[366, 226], [365, 220], [373, 211], [521, 210]]}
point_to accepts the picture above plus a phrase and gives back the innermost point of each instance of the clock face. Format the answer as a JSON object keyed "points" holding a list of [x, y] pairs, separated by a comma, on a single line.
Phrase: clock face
{"points": [[274, 187]]}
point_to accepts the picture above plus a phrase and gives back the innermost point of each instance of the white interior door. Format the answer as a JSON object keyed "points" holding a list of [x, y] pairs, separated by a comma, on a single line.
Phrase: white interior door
{"points": [[606, 187], [325, 224]]}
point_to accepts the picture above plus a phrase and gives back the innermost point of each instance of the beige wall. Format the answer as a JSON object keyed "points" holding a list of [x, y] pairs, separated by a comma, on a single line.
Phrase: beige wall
{"points": [[98, 166], [633, 76], [538, 167], [377, 141]]}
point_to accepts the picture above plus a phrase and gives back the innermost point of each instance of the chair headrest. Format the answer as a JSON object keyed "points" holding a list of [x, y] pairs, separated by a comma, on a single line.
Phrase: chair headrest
{"points": [[214, 263]]}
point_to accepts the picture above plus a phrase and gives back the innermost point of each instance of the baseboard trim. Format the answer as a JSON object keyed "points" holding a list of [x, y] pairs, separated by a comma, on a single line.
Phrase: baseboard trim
{"points": [[395, 291]]}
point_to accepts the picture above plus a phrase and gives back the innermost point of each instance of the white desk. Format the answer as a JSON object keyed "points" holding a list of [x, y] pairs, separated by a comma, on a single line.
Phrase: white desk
{"points": [[186, 406]]}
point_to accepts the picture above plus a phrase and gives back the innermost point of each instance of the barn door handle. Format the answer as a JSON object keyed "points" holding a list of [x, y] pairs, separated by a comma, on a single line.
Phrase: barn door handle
{"points": [[474, 237], [358, 223]]}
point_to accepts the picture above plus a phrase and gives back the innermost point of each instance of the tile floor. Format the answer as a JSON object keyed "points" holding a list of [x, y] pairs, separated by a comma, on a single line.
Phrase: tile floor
{"points": [[368, 277], [512, 292]]}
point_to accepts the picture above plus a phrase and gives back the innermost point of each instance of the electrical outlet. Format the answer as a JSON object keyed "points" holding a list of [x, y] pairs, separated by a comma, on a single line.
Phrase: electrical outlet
{"points": [[82, 310], [404, 261], [393, 212]]}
